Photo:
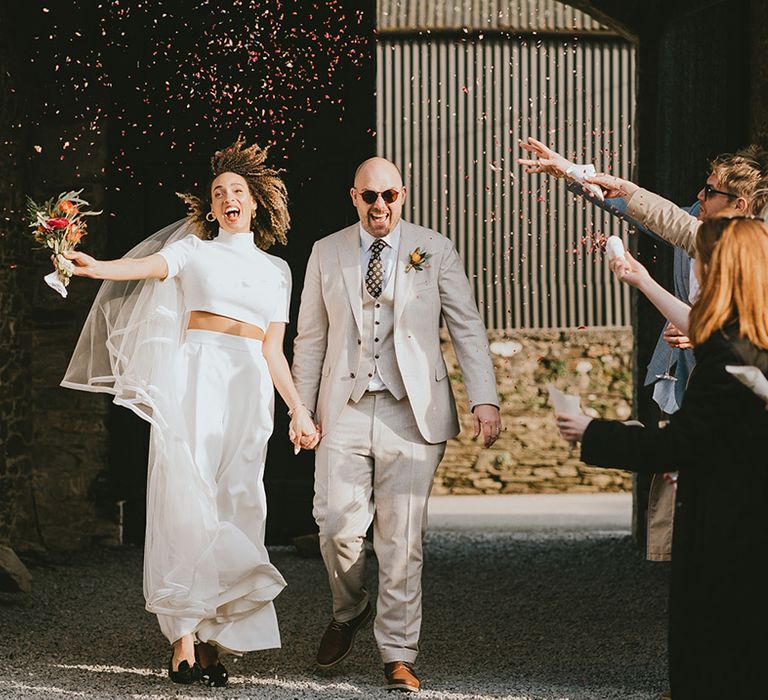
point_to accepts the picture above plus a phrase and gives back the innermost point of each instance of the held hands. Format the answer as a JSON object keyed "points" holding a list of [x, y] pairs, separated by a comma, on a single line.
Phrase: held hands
{"points": [[488, 422], [572, 427], [303, 432]]}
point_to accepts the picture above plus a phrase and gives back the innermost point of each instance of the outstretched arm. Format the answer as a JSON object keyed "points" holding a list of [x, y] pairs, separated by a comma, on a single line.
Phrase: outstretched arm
{"points": [[628, 270], [665, 218], [151, 267], [548, 161]]}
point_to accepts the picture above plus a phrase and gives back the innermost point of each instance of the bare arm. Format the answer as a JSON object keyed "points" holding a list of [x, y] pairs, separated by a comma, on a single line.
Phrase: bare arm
{"points": [[151, 267], [633, 273], [302, 431]]}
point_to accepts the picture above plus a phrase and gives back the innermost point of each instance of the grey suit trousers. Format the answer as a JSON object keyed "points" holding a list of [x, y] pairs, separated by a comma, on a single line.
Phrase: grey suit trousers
{"points": [[374, 466]]}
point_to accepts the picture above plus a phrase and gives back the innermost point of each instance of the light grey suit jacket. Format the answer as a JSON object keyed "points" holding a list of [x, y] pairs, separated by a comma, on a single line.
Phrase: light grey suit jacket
{"points": [[327, 348]]}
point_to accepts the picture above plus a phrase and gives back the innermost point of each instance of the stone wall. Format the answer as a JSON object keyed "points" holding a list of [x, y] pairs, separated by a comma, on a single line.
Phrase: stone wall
{"points": [[530, 456]]}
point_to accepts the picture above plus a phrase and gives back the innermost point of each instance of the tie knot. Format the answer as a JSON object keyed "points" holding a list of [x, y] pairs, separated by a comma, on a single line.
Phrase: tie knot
{"points": [[377, 246]]}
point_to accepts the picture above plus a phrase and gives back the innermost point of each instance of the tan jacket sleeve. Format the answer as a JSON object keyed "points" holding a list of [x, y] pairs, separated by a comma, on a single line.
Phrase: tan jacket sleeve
{"points": [[468, 334], [665, 219], [311, 342]]}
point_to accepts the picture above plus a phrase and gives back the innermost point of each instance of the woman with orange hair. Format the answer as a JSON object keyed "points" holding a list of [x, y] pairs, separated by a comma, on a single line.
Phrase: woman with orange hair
{"points": [[718, 606]]}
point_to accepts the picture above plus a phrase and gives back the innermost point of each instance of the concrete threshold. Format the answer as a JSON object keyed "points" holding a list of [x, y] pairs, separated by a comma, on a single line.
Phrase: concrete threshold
{"points": [[580, 512]]}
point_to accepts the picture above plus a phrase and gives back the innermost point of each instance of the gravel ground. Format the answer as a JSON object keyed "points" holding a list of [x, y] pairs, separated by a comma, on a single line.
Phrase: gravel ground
{"points": [[550, 615]]}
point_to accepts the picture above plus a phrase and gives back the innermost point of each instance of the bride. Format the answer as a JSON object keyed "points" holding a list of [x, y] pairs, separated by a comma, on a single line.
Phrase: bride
{"points": [[188, 333]]}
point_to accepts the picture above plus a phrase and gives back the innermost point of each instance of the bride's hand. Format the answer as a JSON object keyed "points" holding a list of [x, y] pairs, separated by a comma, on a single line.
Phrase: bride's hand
{"points": [[85, 265], [302, 431]]}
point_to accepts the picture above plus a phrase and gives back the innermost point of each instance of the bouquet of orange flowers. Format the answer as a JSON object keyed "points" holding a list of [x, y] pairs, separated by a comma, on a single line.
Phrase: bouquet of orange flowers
{"points": [[59, 225]]}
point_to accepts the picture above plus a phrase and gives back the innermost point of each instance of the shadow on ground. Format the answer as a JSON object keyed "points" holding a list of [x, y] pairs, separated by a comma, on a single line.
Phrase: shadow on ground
{"points": [[534, 616]]}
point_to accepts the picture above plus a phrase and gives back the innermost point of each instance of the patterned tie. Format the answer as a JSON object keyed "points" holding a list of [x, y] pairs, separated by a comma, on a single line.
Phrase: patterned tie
{"points": [[375, 275]]}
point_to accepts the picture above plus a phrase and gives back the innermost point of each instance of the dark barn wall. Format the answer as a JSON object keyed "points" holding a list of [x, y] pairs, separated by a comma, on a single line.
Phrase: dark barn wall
{"points": [[142, 96], [15, 338]]}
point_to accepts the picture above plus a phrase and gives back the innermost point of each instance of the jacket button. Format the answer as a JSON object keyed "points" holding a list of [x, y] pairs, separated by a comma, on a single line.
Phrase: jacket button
{"points": [[352, 374], [376, 356], [370, 374], [375, 340], [378, 306], [359, 342]]}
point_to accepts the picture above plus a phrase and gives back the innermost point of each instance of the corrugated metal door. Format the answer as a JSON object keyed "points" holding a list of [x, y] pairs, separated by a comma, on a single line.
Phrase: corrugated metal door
{"points": [[450, 113]]}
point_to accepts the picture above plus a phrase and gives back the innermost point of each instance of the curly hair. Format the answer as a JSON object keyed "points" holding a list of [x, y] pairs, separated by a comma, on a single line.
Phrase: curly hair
{"points": [[271, 220]]}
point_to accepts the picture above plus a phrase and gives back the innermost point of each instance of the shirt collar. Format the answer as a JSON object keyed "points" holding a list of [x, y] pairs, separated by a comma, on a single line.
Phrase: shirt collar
{"points": [[392, 239]]}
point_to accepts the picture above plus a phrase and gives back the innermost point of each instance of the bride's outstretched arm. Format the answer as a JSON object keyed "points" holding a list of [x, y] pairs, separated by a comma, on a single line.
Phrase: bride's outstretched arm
{"points": [[151, 267]]}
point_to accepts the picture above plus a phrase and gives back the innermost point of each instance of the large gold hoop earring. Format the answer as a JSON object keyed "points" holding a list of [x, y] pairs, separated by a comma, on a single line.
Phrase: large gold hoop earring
{"points": [[210, 217]]}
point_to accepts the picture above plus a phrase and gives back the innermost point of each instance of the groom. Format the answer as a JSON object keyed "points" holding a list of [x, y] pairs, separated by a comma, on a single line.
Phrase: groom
{"points": [[367, 360]]}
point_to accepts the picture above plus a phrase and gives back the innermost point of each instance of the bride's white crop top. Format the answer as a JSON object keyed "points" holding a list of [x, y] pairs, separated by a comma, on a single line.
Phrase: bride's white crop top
{"points": [[230, 276]]}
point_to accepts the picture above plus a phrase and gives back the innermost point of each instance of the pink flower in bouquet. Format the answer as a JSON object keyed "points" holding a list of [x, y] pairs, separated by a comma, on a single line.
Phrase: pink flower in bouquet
{"points": [[59, 222]]}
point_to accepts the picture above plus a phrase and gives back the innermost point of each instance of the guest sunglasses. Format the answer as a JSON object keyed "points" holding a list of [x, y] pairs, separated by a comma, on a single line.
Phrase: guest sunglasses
{"points": [[710, 191], [389, 196]]}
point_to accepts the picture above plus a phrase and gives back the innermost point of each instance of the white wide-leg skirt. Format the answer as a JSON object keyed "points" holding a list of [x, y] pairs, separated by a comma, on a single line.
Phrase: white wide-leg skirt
{"points": [[206, 569]]}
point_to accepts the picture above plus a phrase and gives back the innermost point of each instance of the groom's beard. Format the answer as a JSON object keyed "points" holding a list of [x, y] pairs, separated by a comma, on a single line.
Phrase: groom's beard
{"points": [[379, 223]]}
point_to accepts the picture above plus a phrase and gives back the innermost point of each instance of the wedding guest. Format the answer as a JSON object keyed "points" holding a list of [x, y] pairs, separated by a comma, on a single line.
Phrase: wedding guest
{"points": [[672, 359], [718, 610], [368, 360], [189, 335], [743, 174]]}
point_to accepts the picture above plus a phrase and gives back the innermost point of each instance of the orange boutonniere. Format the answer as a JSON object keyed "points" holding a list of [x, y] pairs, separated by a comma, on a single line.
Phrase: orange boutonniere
{"points": [[417, 259]]}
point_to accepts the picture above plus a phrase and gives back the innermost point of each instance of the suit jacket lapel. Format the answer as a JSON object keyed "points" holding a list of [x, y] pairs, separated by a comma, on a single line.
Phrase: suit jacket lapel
{"points": [[349, 262], [409, 240]]}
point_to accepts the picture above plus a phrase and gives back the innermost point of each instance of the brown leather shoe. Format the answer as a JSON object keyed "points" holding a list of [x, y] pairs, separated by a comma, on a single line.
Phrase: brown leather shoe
{"points": [[400, 676], [338, 637]]}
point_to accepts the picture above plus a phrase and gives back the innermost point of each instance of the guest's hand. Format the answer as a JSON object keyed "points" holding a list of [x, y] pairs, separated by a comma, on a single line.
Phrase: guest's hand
{"points": [[572, 427], [613, 186], [675, 338], [628, 270], [546, 160], [488, 422]]}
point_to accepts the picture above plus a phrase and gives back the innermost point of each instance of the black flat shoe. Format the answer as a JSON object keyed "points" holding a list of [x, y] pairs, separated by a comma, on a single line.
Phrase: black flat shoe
{"points": [[186, 674], [215, 676]]}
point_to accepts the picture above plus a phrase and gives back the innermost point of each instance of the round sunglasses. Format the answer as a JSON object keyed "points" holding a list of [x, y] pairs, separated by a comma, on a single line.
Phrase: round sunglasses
{"points": [[389, 196]]}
